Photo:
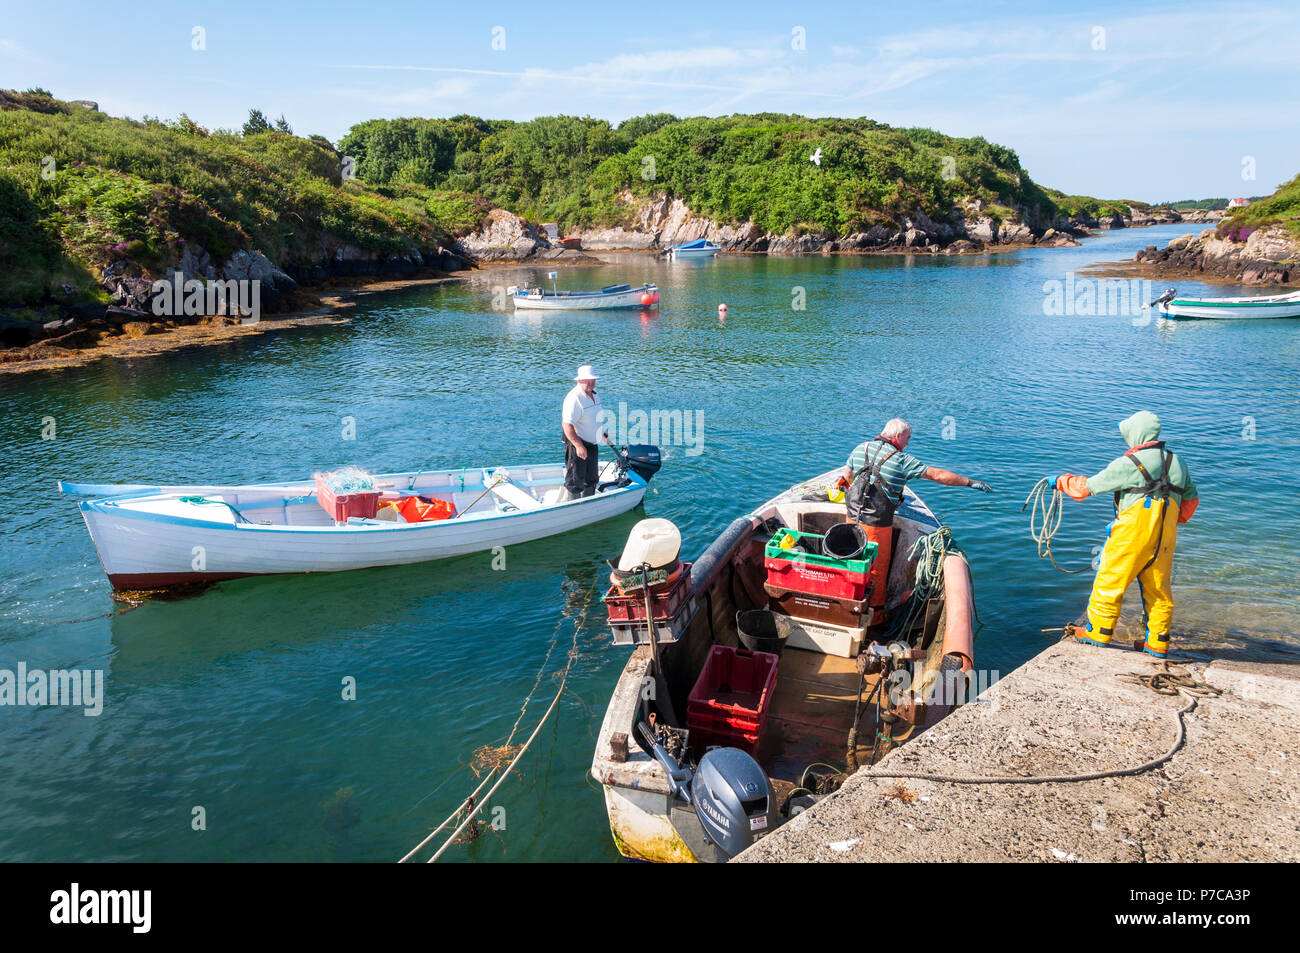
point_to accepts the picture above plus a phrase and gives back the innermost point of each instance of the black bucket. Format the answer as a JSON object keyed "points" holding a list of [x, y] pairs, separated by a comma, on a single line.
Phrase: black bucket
{"points": [[844, 541], [761, 630]]}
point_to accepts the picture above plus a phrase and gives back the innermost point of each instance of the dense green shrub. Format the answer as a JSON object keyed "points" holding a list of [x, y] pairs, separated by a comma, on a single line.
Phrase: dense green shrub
{"points": [[79, 189]]}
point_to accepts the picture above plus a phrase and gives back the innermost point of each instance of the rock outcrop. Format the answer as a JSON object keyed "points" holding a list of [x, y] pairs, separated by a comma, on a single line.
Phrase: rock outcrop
{"points": [[504, 237], [1266, 256], [662, 222]]}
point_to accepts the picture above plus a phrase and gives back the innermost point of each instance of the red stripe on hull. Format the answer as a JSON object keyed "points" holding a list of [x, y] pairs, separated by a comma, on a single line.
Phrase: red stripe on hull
{"points": [[166, 580]]}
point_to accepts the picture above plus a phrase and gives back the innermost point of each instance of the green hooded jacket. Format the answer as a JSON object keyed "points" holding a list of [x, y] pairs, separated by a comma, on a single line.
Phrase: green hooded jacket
{"points": [[1123, 477]]}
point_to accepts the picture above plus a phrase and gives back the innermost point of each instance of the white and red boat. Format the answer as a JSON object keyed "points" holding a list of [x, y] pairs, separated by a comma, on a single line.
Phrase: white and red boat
{"points": [[155, 537], [611, 296]]}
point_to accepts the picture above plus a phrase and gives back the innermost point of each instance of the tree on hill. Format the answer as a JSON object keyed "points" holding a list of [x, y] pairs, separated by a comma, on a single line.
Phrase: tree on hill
{"points": [[257, 123]]}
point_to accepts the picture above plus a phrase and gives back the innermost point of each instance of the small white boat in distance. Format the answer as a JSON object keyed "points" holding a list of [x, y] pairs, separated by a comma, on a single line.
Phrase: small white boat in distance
{"points": [[1231, 309], [158, 537], [700, 248], [612, 296]]}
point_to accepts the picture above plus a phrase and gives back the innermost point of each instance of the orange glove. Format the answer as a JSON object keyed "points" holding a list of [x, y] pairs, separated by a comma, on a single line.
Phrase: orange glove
{"points": [[1074, 486], [1187, 508]]}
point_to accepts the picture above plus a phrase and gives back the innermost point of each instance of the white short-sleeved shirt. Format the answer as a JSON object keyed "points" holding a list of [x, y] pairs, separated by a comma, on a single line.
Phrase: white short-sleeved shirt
{"points": [[584, 413]]}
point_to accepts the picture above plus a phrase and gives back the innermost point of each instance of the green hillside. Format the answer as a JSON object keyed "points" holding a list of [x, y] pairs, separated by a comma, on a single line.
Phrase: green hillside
{"points": [[1280, 208], [120, 189], [80, 190], [733, 168]]}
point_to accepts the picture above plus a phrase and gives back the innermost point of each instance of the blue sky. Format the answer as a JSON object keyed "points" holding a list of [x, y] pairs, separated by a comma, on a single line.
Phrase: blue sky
{"points": [[1167, 102]]}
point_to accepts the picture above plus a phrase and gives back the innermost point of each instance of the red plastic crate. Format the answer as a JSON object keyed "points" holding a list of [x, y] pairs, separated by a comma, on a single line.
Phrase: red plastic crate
{"points": [[364, 505], [797, 576], [666, 602], [728, 705]]}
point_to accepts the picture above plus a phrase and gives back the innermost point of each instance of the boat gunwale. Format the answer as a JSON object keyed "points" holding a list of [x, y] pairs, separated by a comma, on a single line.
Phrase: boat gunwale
{"points": [[111, 506], [569, 295]]}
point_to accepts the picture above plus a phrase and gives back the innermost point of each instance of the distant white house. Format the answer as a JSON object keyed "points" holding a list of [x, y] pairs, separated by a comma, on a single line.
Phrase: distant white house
{"points": [[1238, 203]]}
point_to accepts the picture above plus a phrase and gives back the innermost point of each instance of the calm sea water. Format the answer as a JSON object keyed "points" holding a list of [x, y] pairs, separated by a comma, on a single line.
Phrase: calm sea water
{"points": [[231, 700]]}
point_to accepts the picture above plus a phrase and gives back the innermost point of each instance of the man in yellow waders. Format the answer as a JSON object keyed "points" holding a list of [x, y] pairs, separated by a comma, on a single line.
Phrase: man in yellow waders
{"points": [[1153, 494]]}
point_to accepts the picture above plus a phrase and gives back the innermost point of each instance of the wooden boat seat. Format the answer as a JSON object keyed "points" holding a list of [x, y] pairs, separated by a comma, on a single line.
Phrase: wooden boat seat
{"points": [[511, 494]]}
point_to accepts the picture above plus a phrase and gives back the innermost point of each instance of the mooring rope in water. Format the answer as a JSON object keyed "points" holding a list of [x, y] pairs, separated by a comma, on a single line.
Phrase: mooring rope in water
{"points": [[1045, 519], [471, 803], [1163, 682]]}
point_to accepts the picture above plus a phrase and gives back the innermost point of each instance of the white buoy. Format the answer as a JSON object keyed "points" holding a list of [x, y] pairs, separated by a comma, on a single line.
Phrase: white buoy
{"points": [[722, 307]]}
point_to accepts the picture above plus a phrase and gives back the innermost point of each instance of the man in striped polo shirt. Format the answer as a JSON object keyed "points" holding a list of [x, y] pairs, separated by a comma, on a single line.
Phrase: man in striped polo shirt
{"points": [[876, 473]]}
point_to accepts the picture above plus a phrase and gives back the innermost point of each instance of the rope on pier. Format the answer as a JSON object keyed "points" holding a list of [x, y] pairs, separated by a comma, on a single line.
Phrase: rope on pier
{"points": [[1163, 682], [470, 807], [1045, 519]]}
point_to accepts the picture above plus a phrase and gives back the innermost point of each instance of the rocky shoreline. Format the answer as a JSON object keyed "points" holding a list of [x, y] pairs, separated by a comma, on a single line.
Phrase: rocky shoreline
{"points": [[307, 293], [1265, 256], [662, 222], [123, 333]]}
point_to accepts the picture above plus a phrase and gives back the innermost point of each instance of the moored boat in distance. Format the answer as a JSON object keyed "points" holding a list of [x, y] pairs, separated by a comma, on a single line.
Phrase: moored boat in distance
{"points": [[1230, 309], [700, 248], [611, 296], [156, 537], [702, 740]]}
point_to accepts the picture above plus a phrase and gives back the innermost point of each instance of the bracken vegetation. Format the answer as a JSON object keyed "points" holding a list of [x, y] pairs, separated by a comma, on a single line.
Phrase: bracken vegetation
{"points": [[1280, 208], [580, 172], [79, 189]]}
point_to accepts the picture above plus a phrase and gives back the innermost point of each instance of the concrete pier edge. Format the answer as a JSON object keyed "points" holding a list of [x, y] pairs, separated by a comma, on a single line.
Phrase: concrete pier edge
{"points": [[1231, 793]]}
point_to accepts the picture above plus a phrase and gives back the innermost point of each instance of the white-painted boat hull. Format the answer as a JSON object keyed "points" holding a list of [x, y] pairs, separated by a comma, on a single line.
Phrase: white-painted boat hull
{"points": [[638, 801], [592, 301], [684, 251], [1234, 309], [154, 540]]}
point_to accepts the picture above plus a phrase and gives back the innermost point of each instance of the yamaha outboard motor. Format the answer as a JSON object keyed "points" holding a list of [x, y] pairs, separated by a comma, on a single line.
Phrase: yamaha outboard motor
{"points": [[643, 460], [733, 800]]}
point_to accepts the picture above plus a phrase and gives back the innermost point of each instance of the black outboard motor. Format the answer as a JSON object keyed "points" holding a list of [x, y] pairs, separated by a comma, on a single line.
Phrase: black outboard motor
{"points": [[642, 459], [733, 800]]}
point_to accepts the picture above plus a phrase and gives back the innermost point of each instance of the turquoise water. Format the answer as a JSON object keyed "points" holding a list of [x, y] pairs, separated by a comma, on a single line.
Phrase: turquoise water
{"points": [[231, 700]]}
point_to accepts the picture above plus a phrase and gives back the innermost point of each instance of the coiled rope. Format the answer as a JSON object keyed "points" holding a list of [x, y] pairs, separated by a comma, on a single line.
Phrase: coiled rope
{"points": [[1163, 682], [471, 805], [928, 553], [1045, 519]]}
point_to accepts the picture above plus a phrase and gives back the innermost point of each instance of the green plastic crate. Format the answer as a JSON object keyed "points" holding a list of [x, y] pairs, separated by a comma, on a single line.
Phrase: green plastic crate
{"points": [[774, 551]]}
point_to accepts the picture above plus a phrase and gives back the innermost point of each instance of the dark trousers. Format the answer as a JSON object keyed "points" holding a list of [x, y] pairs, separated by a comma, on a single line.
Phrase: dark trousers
{"points": [[581, 476]]}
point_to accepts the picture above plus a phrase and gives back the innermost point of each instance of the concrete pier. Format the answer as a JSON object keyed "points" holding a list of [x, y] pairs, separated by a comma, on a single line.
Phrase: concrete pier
{"points": [[1231, 793]]}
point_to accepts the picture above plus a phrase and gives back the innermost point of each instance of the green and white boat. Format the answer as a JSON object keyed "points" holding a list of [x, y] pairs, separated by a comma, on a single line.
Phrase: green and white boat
{"points": [[1231, 309]]}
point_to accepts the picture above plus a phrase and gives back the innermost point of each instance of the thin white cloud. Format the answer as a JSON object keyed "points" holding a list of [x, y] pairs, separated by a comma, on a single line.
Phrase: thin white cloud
{"points": [[531, 75], [15, 50]]}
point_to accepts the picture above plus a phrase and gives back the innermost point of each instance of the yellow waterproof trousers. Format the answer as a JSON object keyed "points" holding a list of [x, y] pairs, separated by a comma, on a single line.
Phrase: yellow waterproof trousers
{"points": [[1141, 547]]}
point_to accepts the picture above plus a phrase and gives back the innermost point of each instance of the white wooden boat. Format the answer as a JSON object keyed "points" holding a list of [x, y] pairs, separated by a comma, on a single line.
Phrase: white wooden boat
{"points": [[700, 248], [155, 537], [1234, 309], [612, 296], [812, 714]]}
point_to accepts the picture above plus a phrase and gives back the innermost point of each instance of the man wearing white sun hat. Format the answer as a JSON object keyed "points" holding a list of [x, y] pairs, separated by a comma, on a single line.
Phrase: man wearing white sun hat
{"points": [[582, 431]]}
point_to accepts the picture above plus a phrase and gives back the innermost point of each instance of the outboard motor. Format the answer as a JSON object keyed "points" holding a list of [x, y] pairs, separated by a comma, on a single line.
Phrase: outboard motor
{"points": [[733, 800], [643, 459]]}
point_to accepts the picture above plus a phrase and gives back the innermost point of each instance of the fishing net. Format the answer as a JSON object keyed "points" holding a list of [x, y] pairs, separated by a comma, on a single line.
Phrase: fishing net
{"points": [[346, 480]]}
